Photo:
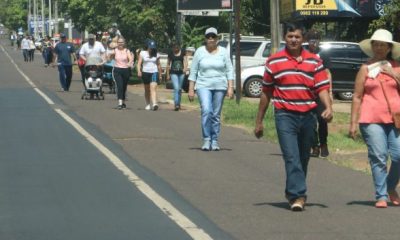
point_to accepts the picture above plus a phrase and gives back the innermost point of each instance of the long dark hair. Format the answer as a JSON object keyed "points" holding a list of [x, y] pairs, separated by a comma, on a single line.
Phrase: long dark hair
{"points": [[152, 52]]}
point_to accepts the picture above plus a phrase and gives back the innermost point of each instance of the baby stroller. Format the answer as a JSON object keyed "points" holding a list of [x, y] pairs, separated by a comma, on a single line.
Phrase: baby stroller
{"points": [[108, 78], [93, 79]]}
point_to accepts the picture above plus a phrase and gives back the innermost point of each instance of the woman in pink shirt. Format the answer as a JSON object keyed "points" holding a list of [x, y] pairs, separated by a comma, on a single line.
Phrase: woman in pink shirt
{"points": [[123, 62], [376, 96]]}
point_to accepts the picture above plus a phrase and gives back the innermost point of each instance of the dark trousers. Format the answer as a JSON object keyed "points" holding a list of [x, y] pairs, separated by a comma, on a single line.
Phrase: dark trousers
{"points": [[82, 71], [321, 135], [25, 53], [121, 76], [47, 55], [31, 55], [321, 132], [65, 75]]}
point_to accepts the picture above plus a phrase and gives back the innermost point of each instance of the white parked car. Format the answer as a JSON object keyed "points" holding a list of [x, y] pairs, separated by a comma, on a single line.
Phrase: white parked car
{"points": [[251, 80]]}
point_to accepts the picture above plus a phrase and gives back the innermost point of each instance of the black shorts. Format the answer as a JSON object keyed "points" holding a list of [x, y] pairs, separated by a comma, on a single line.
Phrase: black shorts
{"points": [[149, 77]]}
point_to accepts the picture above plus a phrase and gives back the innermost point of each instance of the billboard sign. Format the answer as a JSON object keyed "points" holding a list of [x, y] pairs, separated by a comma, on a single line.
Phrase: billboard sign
{"points": [[196, 7], [332, 8]]}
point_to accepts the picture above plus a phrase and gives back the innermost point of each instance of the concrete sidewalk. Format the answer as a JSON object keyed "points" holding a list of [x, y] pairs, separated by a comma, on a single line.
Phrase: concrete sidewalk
{"points": [[240, 188]]}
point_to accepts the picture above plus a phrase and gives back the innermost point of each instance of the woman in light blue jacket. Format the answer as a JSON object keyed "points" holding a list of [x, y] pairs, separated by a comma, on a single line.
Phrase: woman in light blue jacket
{"points": [[211, 73]]}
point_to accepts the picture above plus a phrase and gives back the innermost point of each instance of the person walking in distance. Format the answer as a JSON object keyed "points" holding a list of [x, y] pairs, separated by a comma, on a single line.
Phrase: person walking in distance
{"points": [[63, 52], [292, 79], [376, 97], [176, 71], [211, 73], [32, 48], [149, 70], [320, 146], [123, 62], [25, 48]]}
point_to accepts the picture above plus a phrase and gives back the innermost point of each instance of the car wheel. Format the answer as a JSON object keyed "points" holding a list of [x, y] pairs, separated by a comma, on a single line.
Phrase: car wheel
{"points": [[253, 87], [345, 95]]}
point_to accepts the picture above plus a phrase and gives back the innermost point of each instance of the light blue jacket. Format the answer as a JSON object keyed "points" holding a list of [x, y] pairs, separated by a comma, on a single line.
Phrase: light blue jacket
{"points": [[211, 71]]}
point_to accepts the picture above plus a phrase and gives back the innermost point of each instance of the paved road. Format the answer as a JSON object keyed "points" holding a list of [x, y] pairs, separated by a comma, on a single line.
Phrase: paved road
{"points": [[238, 190]]}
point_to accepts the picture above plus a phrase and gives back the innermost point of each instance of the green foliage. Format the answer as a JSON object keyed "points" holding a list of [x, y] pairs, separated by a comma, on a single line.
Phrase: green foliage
{"points": [[192, 36], [390, 20], [13, 13]]}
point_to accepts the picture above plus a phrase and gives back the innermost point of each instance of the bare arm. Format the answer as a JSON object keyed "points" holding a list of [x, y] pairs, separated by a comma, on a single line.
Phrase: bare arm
{"points": [[262, 108], [139, 67], [357, 99], [159, 69], [168, 67]]}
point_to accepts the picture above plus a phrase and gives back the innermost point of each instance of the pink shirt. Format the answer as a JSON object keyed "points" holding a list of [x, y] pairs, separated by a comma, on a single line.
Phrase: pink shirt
{"points": [[374, 108], [121, 58]]}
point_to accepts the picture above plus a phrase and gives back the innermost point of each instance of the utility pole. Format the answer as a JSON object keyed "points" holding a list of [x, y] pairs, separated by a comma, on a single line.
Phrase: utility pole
{"points": [[275, 28], [43, 26], [237, 53], [56, 15], [29, 16], [50, 21], [35, 18]]}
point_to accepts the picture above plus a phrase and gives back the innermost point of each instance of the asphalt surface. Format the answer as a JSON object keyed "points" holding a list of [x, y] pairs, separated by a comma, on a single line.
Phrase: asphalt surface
{"points": [[236, 193]]}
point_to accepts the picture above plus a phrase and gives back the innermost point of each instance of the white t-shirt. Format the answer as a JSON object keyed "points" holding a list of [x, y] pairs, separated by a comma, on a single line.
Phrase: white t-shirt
{"points": [[92, 51], [149, 63], [25, 44]]}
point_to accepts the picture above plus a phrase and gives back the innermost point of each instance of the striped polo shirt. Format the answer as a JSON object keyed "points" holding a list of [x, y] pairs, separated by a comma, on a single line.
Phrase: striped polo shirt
{"points": [[294, 85]]}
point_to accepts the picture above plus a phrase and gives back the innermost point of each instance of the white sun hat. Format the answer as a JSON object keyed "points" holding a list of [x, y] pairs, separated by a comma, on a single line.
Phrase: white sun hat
{"points": [[381, 35]]}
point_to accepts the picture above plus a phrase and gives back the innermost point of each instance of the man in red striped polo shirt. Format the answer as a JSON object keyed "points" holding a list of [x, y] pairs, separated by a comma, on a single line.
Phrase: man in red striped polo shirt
{"points": [[292, 80]]}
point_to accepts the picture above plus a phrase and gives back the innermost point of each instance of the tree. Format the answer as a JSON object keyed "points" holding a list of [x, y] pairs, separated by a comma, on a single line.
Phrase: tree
{"points": [[13, 13], [390, 20]]}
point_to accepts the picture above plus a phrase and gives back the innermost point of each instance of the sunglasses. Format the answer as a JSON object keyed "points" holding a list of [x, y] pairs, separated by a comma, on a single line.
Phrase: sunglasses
{"points": [[211, 35]]}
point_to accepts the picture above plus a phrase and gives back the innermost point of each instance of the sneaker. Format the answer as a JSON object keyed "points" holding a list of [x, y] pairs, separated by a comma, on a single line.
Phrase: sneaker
{"points": [[315, 152], [215, 146], [394, 197], [177, 108], [123, 105], [206, 145], [119, 107], [381, 204], [297, 205], [155, 107], [324, 151], [148, 107]]}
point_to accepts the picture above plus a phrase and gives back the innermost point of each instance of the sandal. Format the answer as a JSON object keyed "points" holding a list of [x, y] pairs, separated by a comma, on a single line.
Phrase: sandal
{"points": [[381, 204], [394, 197]]}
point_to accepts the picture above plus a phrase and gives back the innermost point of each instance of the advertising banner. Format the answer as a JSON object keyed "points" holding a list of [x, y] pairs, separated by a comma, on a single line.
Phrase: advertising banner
{"points": [[332, 8]]}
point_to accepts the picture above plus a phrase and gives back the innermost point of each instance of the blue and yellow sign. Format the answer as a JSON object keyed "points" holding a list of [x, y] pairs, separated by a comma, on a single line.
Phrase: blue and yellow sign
{"points": [[331, 8]]}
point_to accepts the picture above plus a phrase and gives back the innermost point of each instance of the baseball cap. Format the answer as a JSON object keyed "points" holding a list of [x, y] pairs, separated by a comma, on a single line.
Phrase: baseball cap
{"points": [[62, 35], [91, 36], [151, 44], [211, 30]]}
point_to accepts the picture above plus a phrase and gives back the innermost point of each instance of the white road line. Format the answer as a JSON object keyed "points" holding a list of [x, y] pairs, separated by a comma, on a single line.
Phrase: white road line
{"points": [[44, 96], [174, 214]]}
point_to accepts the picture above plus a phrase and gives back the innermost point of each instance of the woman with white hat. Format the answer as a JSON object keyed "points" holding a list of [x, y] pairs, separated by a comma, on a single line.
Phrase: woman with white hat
{"points": [[376, 98]]}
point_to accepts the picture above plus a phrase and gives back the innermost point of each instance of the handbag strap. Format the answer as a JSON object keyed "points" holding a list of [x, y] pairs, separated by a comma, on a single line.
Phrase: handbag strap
{"points": [[384, 94]]}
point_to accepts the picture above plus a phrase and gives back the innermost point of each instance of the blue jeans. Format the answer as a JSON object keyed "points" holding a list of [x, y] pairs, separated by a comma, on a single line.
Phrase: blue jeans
{"points": [[211, 102], [65, 75], [177, 81], [382, 140], [296, 134]]}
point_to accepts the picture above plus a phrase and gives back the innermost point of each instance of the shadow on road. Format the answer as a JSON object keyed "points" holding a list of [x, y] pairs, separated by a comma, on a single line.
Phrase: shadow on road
{"points": [[285, 205]]}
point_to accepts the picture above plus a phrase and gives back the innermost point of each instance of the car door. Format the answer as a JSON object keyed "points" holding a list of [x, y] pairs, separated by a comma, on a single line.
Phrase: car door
{"points": [[345, 63]]}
